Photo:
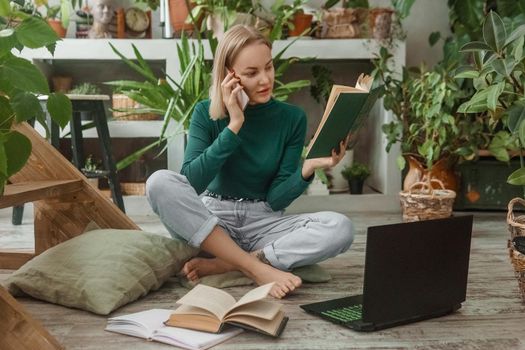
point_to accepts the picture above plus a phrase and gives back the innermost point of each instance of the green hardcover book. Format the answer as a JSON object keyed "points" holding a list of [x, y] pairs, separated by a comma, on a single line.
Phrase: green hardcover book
{"points": [[345, 112]]}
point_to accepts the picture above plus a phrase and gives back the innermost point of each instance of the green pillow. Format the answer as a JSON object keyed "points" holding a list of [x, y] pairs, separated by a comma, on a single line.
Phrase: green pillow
{"points": [[101, 270]]}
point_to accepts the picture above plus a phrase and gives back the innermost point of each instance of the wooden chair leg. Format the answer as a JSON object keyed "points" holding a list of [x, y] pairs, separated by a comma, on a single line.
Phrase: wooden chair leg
{"points": [[19, 330]]}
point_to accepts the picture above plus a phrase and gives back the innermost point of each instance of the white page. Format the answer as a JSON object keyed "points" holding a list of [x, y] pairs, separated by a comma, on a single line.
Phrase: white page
{"points": [[139, 324], [190, 339], [253, 295], [212, 299]]}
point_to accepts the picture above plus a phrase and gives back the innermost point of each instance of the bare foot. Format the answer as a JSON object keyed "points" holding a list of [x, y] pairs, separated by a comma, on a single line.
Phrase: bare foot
{"points": [[285, 282], [200, 267]]}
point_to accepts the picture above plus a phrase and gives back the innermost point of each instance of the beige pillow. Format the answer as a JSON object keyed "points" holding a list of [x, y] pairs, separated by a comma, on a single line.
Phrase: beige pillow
{"points": [[101, 270]]}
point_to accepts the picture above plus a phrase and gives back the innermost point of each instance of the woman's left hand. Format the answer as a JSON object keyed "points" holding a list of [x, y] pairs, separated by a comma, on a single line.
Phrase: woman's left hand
{"points": [[310, 165]]}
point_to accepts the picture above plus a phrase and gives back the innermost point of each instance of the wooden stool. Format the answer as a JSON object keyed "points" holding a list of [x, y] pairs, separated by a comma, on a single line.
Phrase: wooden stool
{"points": [[92, 106]]}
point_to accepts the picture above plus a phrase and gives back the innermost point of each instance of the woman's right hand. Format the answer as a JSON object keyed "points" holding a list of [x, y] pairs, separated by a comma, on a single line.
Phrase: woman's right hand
{"points": [[231, 89]]}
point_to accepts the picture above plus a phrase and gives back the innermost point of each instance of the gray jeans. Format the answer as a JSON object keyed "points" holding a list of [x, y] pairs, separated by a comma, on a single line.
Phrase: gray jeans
{"points": [[288, 241]]}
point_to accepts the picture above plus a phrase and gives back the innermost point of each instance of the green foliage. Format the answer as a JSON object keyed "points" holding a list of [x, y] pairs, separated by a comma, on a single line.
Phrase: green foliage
{"points": [[226, 11], [424, 105], [357, 170], [498, 73], [157, 96], [320, 91], [91, 165], [283, 16], [20, 83]]}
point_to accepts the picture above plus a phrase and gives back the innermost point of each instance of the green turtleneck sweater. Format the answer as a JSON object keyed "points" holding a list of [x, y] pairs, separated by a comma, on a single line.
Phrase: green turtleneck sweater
{"points": [[262, 161]]}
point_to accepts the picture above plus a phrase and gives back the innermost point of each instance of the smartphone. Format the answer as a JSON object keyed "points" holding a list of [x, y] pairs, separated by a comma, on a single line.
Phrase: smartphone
{"points": [[242, 97]]}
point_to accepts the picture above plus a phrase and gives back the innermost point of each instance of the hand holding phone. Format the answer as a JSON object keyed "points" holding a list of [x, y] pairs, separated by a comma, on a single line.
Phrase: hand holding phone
{"points": [[242, 96]]}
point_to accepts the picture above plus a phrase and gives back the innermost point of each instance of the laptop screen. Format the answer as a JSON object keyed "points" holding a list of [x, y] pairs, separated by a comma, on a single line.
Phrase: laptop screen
{"points": [[415, 269]]}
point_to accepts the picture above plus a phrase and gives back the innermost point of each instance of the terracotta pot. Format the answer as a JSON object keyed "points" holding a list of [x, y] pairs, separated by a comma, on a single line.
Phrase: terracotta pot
{"points": [[301, 22], [56, 25], [61, 83], [380, 21], [442, 170], [178, 14]]}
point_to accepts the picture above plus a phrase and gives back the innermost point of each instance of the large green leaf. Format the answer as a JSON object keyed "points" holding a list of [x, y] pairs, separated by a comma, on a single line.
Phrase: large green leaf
{"points": [[509, 8], [26, 106], [475, 46], [7, 40], [469, 14], [466, 72], [493, 95], [517, 33], [24, 75], [402, 7], [34, 32], [478, 103], [521, 134], [5, 8], [516, 114], [6, 113], [494, 31], [60, 108], [517, 177], [17, 148], [504, 66]]}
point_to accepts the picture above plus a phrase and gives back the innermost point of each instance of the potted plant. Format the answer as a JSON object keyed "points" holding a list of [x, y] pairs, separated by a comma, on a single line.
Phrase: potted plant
{"points": [[92, 170], [22, 83], [356, 174], [498, 72], [58, 16], [431, 134], [283, 16]]}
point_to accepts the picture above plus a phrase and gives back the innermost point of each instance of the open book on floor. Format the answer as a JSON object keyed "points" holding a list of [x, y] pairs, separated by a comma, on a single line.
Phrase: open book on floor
{"points": [[346, 109], [209, 309], [150, 325]]}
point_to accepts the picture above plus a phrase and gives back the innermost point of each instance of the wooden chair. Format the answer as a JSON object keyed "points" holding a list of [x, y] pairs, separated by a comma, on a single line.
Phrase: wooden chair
{"points": [[19, 331], [64, 201]]}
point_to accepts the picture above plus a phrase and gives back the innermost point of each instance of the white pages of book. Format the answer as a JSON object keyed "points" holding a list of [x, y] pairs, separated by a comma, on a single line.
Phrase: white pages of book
{"points": [[150, 325]]}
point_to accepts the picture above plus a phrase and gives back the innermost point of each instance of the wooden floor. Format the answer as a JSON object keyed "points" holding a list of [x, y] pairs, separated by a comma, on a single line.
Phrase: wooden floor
{"points": [[492, 317]]}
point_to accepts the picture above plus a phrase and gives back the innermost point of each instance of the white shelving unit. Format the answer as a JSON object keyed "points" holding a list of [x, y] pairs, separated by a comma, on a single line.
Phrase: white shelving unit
{"points": [[386, 176]]}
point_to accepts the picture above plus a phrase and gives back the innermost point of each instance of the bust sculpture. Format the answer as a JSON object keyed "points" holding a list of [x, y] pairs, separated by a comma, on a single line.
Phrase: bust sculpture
{"points": [[102, 12]]}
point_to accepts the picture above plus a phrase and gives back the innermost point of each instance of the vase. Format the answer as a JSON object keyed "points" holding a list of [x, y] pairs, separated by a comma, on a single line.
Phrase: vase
{"points": [[356, 185], [301, 22], [179, 12], [56, 25], [442, 170], [380, 21]]}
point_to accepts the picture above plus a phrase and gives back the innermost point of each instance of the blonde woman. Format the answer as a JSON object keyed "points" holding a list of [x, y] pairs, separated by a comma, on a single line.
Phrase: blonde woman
{"points": [[241, 170]]}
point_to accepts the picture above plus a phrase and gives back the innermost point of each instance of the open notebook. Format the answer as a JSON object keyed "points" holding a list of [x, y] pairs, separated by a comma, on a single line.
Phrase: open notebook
{"points": [[150, 325]]}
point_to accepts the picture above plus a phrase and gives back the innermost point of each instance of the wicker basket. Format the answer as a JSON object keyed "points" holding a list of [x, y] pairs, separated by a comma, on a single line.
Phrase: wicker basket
{"points": [[518, 262], [133, 188], [426, 203], [121, 101], [516, 223], [339, 23], [517, 228]]}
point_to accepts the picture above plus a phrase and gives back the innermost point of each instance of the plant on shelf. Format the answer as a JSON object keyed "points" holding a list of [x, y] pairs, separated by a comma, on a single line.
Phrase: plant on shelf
{"points": [[20, 84], [85, 89], [356, 174], [498, 73], [220, 15], [157, 96], [283, 16], [58, 16]]}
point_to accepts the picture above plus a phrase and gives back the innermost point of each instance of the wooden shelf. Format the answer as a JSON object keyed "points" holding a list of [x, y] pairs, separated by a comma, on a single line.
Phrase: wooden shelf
{"points": [[20, 193]]}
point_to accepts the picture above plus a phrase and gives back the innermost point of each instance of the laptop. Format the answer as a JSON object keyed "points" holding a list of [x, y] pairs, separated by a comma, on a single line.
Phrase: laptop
{"points": [[413, 271]]}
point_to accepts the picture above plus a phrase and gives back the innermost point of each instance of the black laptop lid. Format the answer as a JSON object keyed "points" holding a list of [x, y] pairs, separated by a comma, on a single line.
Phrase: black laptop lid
{"points": [[415, 269]]}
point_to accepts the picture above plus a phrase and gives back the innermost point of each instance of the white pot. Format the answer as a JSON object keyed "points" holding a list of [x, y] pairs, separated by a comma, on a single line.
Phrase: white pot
{"points": [[339, 183]]}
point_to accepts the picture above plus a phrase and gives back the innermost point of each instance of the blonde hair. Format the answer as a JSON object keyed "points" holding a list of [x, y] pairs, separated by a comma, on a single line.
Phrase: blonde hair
{"points": [[234, 40]]}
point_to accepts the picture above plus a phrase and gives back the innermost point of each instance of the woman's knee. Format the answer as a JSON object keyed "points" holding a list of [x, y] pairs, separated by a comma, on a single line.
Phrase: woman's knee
{"points": [[162, 183], [341, 231]]}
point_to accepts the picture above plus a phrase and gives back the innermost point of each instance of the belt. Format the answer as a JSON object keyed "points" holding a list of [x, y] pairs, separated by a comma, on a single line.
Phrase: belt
{"points": [[230, 198]]}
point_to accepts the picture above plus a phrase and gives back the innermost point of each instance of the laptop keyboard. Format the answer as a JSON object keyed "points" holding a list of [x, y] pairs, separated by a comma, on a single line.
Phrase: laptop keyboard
{"points": [[345, 314]]}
